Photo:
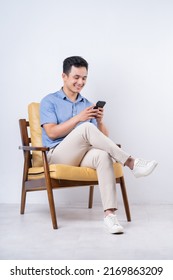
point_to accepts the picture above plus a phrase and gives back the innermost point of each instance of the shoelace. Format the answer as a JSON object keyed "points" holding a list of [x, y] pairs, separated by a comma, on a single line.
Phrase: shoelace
{"points": [[113, 218], [142, 162]]}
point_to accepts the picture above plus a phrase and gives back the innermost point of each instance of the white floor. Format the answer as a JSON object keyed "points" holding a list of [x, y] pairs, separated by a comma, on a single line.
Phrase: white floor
{"points": [[81, 234]]}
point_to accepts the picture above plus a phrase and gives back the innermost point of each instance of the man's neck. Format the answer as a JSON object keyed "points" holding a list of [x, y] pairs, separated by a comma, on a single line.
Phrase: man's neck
{"points": [[71, 95]]}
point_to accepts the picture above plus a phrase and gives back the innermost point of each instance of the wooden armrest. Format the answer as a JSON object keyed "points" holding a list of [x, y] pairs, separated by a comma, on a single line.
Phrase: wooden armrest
{"points": [[30, 148], [42, 149]]}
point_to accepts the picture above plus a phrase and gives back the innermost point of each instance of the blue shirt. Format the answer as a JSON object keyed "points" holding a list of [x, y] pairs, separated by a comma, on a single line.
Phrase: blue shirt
{"points": [[58, 108]]}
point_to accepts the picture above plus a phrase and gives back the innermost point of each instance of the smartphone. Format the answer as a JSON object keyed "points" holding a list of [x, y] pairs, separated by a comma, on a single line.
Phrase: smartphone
{"points": [[100, 104]]}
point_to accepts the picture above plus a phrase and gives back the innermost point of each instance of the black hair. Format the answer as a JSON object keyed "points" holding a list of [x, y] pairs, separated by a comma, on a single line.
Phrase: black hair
{"points": [[76, 61]]}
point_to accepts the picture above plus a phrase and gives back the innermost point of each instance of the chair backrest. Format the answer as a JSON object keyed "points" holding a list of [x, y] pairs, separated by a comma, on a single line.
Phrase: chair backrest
{"points": [[35, 132]]}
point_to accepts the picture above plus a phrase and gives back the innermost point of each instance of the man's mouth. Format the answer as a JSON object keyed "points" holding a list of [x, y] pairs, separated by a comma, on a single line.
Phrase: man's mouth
{"points": [[78, 87]]}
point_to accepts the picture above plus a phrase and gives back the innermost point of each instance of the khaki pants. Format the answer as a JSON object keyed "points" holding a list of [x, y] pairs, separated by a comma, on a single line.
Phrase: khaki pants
{"points": [[87, 146]]}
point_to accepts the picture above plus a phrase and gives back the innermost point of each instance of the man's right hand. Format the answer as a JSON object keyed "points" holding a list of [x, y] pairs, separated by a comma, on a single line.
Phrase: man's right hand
{"points": [[87, 114]]}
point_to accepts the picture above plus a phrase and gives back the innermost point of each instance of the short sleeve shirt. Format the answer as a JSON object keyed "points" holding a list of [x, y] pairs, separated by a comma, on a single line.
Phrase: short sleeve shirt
{"points": [[57, 108]]}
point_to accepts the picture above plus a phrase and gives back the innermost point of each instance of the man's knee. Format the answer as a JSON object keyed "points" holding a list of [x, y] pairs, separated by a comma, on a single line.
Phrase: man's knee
{"points": [[101, 156], [86, 126]]}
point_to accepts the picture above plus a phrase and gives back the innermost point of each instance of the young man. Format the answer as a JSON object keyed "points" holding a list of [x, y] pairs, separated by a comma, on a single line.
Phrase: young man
{"points": [[76, 135]]}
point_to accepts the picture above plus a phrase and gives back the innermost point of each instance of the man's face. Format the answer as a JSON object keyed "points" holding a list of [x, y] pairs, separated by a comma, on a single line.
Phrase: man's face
{"points": [[76, 79]]}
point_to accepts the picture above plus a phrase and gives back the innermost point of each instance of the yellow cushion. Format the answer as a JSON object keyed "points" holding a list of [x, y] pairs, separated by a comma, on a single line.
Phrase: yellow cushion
{"points": [[36, 133], [67, 172]]}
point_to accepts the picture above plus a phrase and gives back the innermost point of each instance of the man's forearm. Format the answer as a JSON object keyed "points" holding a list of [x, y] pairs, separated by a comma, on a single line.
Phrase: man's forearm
{"points": [[55, 131]]}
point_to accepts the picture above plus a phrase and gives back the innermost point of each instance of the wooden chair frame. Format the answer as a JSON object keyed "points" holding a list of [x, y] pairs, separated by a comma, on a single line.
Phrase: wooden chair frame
{"points": [[47, 183]]}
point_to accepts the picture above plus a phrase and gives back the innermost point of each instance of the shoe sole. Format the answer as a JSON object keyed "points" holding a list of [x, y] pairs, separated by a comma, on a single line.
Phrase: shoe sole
{"points": [[113, 231]]}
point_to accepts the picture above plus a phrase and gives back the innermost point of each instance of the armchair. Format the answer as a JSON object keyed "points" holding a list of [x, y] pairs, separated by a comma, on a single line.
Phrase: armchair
{"points": [[39, 175]]}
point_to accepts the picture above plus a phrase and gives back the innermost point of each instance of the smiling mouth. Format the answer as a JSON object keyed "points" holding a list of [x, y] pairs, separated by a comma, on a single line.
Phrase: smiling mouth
{"points": [[78, 87]]}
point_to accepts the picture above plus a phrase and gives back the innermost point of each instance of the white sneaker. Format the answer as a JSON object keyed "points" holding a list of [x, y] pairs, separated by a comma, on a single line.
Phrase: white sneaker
{"points": [[112, 224], [143, 167]]}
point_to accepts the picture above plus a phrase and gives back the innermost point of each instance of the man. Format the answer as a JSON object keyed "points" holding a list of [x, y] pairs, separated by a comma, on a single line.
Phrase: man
{"points": [[76, 135]]}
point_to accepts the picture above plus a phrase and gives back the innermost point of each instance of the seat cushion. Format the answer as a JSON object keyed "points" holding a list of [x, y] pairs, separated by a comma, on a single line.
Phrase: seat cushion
{"points": [[67, 172]]}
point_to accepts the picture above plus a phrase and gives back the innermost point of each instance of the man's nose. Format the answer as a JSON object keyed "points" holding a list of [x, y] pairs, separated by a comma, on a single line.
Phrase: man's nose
{"points": [[81, 81]]}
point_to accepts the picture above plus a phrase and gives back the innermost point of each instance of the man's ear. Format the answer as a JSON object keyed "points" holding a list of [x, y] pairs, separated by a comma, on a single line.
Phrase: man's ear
{"points": [[64, 75]]}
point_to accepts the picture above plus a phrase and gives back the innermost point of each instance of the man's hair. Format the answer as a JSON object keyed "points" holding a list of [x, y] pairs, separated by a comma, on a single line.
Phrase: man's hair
{"points": [[76, 61]]}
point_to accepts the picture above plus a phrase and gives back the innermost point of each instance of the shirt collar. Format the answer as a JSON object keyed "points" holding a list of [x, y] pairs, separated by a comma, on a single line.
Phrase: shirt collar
{"points": [[63, 96]]}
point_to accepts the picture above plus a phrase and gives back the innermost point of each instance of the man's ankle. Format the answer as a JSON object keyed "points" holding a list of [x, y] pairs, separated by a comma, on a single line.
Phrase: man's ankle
{"points": [[130, 162], [109, 211]]}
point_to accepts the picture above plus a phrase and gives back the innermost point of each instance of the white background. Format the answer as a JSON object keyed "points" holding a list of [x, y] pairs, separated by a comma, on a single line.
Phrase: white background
{"points": [[129, 47]]}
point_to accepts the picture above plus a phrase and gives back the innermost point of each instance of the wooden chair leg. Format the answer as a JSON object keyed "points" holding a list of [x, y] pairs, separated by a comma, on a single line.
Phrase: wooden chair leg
{"points": [[49, 191], [25, 176], [23, 200], [52, 207], [125, 199], [91, 193]]}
